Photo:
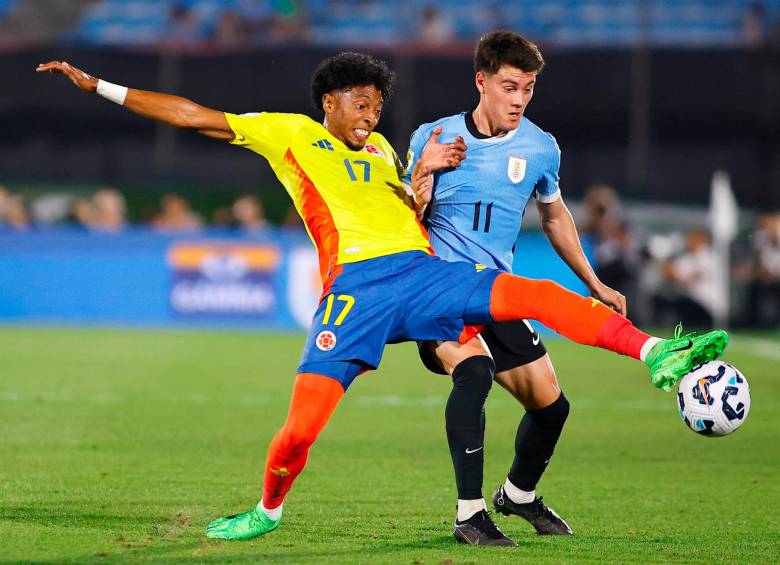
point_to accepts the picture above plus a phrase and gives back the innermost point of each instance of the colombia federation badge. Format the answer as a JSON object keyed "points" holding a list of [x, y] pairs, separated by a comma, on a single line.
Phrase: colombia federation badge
{"points": [[326, 340]]}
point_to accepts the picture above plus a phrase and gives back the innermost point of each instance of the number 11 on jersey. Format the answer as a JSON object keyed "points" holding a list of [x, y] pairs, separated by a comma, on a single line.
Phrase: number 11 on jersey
{"points": [[477, 213]]}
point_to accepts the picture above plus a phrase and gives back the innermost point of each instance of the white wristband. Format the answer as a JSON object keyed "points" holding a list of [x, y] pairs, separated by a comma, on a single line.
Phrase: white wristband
{"points": [[111, 91]]}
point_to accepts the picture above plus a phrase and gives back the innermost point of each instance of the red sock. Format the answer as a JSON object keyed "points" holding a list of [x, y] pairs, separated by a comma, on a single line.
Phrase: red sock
{"points": [[618, 334], [314, 399], [584, 320]]}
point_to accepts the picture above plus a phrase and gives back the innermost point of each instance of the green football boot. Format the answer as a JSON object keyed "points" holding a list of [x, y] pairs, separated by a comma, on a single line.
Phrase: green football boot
{"points": [[671, 359], [242, 526]]}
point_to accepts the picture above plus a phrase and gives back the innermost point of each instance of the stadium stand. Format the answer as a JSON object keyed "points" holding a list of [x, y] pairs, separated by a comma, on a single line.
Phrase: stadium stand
{"points": [[570, 22]]}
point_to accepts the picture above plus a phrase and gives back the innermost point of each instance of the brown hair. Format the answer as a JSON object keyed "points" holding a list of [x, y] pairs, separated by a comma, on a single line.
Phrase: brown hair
{"points": [[503, 47]]}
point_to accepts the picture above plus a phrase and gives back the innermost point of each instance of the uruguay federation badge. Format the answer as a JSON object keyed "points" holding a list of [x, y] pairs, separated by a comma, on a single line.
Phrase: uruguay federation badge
{"points": [[516, 169]]}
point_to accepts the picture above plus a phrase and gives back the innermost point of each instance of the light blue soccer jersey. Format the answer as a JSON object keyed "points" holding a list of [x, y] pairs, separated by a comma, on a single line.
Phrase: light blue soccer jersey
{"points": [[477, 209]]}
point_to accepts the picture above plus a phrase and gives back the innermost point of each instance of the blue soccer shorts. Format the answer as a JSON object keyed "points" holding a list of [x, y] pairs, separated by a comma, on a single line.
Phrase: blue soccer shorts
{"points": [[401, 297]]}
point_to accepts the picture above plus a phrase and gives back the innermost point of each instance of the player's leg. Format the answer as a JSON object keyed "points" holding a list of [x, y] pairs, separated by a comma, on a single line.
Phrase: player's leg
{"points": [[471, 369], [524, 369], [314, 399], [589, 322], [347, 336], [535, 386]]}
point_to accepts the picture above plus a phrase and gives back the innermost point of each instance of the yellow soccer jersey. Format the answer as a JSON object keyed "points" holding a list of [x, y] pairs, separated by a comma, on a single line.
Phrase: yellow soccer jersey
{"points": [[351, 201]]}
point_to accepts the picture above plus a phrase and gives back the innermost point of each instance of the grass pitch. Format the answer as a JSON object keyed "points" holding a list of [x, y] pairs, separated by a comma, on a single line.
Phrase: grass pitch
{"points": [[123, 445]]}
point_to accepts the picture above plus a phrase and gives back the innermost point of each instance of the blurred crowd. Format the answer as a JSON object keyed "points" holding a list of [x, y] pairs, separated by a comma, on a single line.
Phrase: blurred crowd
{"points": [[106, 211], [673, 276], [242, 23], [667, 275]]}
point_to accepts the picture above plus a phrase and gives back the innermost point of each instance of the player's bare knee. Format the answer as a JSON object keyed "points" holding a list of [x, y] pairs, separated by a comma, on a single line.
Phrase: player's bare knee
{"points": [[451, 354]]}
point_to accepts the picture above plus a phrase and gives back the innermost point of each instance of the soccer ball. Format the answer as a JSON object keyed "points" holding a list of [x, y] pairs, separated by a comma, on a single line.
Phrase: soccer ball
{"points": [[714, 399]]}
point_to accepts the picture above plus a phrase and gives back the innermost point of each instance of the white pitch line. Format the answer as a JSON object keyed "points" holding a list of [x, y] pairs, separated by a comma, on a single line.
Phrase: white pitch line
{"points": [[396, 400], [110, 398]]}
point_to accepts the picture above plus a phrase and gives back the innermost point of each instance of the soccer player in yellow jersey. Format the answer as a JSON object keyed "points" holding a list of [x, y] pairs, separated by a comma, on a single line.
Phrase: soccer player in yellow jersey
{"points": [[381, 282]]}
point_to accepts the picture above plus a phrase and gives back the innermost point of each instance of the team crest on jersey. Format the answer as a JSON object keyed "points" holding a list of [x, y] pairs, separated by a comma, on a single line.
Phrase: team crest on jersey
{"points": [[373, 149], [326, 340], [409, 160], [516, 169]]}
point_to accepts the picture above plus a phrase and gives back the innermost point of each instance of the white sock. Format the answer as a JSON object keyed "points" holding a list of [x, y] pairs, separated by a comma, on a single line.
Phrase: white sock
{"points": [[467, 508], [273, 513], [518, 495], [647, 347]]}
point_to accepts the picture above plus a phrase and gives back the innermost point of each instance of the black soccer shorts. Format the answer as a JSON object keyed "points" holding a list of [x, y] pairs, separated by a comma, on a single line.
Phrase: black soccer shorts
{"points": [[512, 344]]}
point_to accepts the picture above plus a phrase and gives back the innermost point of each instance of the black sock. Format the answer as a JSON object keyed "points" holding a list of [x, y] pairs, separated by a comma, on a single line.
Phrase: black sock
{"points": [[535, 441], [465, 422]]}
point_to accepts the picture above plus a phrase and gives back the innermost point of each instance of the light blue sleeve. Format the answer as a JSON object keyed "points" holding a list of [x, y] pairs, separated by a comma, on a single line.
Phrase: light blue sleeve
{"points": [[416, 144], [547, 189]]}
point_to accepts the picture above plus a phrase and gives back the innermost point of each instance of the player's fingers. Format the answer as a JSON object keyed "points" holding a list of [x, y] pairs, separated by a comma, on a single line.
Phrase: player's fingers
{"points": [[47, 66], [435, 134], [459, 144], [50, 67], [421, 170], [618, 304], [456, 153]]}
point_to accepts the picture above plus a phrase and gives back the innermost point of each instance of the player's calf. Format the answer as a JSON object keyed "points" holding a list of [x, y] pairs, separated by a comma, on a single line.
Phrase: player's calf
{"points": [[464, 420]]}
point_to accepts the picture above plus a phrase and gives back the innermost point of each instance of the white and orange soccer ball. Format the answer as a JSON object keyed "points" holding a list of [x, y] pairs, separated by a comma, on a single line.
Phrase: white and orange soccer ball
{"points": [[714, 399]]}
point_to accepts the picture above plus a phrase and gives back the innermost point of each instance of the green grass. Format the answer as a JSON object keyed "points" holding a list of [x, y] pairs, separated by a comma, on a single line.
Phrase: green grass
{"points": [[123, 445]]}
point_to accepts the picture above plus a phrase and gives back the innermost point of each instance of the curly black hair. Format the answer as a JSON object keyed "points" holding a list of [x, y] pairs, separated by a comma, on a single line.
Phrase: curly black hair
{"points": [[348, 69]]}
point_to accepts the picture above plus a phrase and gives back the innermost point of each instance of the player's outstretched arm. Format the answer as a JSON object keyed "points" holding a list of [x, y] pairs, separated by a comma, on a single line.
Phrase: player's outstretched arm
{"points": [[173, 110], [560, 229]]}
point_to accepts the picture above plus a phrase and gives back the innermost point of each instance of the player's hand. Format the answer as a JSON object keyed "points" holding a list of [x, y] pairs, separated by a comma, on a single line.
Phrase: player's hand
{"points": [[77, 76], [422, 184], [611, 298], [438, 156]]}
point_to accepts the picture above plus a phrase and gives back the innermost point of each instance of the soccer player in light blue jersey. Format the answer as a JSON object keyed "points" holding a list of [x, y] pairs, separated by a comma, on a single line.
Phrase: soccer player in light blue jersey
{"points": [[474, 214]]}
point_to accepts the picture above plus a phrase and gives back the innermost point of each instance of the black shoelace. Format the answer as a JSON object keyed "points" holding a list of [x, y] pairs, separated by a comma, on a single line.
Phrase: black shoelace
{"points": [[540, 509], [486, 525]]}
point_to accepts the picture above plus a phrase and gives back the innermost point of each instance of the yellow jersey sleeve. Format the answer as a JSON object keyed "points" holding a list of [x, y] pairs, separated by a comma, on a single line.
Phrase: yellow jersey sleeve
{"points": [[268, 134]]}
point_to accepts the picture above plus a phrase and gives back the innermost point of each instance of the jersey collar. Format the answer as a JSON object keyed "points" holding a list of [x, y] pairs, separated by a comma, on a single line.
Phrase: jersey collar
{"points": [[471, 127]]}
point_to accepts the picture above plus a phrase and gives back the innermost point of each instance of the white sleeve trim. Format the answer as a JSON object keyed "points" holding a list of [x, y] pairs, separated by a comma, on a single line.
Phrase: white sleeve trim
{"points": [[548, 198]]}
